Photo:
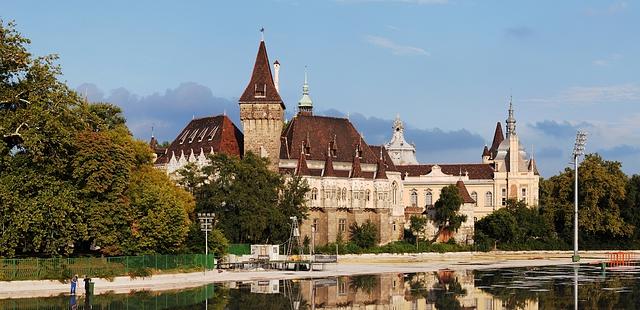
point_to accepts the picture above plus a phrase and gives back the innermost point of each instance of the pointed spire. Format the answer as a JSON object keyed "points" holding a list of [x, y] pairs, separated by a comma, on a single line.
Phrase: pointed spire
{"points": [[381, 169], [486, 152], [301, 167], [511, 120], [305, 105], [261, 87], [532, 166], [464, 193], [498, 137], [328, 164], [356, 170]]}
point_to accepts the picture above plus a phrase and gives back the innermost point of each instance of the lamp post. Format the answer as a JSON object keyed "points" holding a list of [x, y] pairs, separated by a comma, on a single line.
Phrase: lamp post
{"points": [[206, 225], [578, 150]]}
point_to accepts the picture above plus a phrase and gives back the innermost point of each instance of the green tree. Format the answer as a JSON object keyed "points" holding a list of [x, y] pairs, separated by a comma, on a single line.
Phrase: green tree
{"points": [[602, 194], [417, 226], [252, 203], [447, 209], [365, 235]]}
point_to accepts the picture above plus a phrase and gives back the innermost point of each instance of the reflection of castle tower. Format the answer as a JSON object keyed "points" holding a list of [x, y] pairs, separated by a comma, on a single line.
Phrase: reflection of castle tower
{"points": [[401, 152], [262, 111]]}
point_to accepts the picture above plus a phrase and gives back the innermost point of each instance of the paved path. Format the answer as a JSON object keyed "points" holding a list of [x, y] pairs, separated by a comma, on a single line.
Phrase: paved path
{"points": [[348, 265]]}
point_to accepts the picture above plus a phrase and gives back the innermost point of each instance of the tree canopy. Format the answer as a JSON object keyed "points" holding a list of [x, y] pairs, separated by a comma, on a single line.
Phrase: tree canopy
{"points": [[447, 216], [72, 178]]}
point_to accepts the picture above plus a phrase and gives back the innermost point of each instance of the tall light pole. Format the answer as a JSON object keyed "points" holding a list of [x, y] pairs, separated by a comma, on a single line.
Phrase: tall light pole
{"points": [[578, 150], [206, 225]]}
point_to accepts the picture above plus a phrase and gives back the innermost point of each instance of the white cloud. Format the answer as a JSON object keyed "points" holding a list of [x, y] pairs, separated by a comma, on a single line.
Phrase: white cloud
{"points": [[395, 48], [622, 93], [606, 61], [612, 9]]}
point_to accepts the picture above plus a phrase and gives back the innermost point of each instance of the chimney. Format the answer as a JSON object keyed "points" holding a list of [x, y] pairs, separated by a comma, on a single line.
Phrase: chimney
{"points": [[276, 77]]}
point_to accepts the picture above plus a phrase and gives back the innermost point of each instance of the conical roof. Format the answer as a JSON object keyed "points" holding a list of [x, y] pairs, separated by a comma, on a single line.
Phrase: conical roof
{"points": [[498, 137], [328, 165], [356, 169], [462, 190], [301, 167], [261, 88], [486, 152]]}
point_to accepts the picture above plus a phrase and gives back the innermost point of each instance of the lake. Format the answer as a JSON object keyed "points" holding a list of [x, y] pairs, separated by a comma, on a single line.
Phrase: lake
{"points": [[549, 287]]}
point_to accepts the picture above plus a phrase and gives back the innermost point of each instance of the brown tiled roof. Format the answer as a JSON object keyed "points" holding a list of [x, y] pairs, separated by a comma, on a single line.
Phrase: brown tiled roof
{"points": [[328, 166], [302, 168], [321, 131], [498, 137], [476, 171], [462, 190], [356, 170], [486, 152], [381, 172], [214, 132], [386, 159], [261, 88]]}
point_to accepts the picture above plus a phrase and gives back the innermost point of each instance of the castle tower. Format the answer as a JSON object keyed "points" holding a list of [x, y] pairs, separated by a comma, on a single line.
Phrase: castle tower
{"points": [[262, 111]]}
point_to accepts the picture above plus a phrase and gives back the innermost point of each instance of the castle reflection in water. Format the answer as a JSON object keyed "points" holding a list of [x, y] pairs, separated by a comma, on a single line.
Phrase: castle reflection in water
{"points": [[444, 289]]}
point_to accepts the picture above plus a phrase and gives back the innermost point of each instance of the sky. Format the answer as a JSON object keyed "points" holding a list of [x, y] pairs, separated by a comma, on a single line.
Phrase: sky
{"points": [[446, 67]]}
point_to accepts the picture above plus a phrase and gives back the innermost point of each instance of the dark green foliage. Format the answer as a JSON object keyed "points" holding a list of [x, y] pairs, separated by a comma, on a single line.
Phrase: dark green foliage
{"points": [[446, 215], [252, 204], [365, 235], [75, 177], [416, 226]]}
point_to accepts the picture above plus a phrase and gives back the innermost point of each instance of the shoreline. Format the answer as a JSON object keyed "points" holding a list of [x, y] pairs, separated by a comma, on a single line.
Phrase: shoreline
{"points": [[347, 265]]}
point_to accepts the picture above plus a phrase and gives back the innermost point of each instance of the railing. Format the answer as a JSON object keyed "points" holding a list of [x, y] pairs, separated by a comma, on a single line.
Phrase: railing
{"points": [[64, 268]]}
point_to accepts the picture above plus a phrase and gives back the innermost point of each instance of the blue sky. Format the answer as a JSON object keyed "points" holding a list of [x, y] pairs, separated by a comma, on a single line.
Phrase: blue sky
{"points": [[447, 67]]}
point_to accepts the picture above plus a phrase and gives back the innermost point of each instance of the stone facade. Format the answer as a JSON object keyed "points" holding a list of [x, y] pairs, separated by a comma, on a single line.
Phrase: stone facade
{"points": [[262, 125]]}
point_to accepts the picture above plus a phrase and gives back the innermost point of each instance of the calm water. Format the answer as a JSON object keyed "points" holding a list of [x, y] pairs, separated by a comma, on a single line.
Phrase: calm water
{"points": [[518, 288]]}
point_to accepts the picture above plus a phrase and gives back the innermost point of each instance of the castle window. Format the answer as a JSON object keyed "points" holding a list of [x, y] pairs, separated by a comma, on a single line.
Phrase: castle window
{"points": [[342, 225], [474, 196], [344, 193], [504, 196], [414, 198], [367, 195], [260, 92], [428, 198], [193, 135], [394, 194], [314, 194], [488, 199], [524, 194]]}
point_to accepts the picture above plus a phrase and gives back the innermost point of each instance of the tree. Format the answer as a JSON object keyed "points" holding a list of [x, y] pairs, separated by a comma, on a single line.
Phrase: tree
{"points": [[446, 215], [365, 235], [252, 203], [72, 176], [500, 225], [417, 226], [602, 195]]}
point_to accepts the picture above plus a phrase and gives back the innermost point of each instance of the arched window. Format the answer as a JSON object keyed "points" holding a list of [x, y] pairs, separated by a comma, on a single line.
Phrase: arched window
{"points": [[428, 198], [488, 199], [474, 196], [394, 192], [414, 198], [314, 194], [367, 195]]}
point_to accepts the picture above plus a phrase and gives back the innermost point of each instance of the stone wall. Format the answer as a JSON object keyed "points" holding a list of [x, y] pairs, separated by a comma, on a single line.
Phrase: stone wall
{"points": [[262, 126]]}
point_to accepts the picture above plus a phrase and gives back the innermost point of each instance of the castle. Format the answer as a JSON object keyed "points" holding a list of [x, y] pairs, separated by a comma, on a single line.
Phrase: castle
{"points": [[350, 180]]}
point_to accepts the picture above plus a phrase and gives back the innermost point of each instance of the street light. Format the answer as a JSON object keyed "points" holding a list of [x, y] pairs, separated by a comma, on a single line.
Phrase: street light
{"points": [[206, 225], [578, 150]]}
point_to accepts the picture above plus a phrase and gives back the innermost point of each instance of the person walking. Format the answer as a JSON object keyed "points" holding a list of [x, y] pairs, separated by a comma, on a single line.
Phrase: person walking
{"points": [[74, 283]]}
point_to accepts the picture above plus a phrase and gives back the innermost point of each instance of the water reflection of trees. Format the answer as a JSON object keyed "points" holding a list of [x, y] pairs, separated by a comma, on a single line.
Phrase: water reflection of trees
{"points": [[444, 293]]}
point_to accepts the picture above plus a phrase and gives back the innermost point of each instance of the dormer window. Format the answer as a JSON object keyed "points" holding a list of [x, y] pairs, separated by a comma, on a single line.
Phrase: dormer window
{"points": [[333, 152], [260, 92], [213, 133], [184, 136], [193, 135], [203, 134]]}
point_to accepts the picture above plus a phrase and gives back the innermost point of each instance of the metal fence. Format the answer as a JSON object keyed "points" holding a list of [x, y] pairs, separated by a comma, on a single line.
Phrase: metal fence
{"points": [[103, 267]]}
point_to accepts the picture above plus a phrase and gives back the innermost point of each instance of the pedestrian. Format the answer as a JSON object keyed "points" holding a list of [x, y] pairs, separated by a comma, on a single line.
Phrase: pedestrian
{"points": [[74, 283]]}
